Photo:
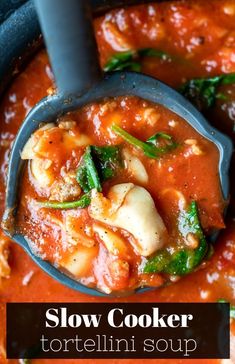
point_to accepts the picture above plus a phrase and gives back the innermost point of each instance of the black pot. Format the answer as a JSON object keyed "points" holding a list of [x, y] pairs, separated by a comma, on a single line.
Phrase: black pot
{"points": [[20, 33]]}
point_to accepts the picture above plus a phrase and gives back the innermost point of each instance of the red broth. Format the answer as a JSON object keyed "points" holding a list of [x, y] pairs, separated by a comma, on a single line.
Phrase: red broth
{"points": [[93, 243], [206, 46]]}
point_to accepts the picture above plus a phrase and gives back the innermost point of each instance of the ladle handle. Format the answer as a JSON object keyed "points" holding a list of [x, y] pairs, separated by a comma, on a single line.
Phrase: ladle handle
{"points": [[69, 36]]}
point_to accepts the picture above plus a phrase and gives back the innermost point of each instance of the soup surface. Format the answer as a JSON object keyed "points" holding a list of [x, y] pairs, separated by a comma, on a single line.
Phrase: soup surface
{"points": [[112, 194], [190, 39]]}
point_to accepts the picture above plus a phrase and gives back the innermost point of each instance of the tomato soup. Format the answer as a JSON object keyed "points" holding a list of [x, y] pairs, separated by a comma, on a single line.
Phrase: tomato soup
{"points": [[112, 194], [190, 45]]}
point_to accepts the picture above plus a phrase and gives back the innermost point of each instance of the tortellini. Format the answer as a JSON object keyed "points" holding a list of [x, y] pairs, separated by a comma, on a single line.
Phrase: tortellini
{"points": [[131, 208]]}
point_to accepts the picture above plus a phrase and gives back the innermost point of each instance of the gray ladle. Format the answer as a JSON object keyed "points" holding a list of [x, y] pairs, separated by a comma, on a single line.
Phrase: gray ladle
{"points": [[69, 36]]}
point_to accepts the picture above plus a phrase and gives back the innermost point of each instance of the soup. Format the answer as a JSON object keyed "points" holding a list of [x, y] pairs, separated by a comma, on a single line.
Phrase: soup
{"points": [[195, 40], [114, 194]]}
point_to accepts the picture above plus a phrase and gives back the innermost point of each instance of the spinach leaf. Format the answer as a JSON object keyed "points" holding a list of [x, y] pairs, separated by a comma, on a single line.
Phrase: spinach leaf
{"points": [[183, 261], [178, 263], [152, 52], [159, 135], [232, 308], [123, 61], [83, 202], [149, 147], [131, 60], [157, 140], [98, 164], [107, 160], [202, 92], [87, 175]]}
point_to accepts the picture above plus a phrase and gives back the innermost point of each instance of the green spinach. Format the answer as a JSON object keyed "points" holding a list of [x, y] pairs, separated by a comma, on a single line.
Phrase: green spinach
{"points": [[107, 160], [83, 202], [203, 92], [131, 60], [183, 261], [150, 148], [87, 174], [98, 164], [123, 61]]}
